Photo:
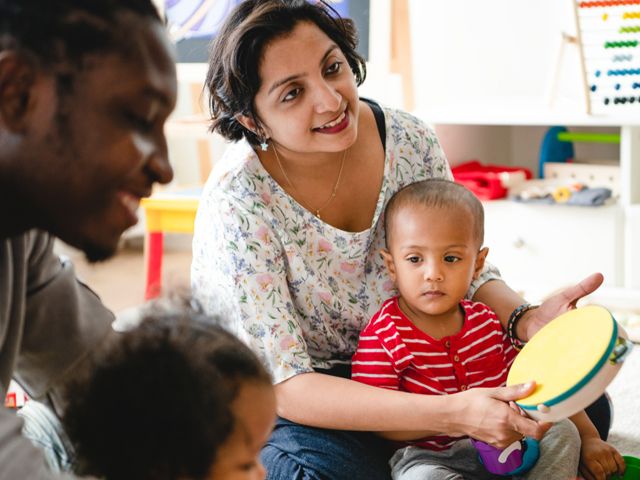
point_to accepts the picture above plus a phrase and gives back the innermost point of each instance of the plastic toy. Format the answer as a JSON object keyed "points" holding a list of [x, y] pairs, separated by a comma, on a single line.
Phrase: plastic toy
{"points": [[553, 149], [488, 182], [557, 144], [517, 458], [633, 469]]}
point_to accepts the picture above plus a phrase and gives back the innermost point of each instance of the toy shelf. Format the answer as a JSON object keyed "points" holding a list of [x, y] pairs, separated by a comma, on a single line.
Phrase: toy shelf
{"points": [[557, 244]]}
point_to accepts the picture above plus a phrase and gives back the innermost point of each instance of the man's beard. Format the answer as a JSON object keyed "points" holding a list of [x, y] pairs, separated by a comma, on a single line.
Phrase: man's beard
{"points": [[97, 253]]}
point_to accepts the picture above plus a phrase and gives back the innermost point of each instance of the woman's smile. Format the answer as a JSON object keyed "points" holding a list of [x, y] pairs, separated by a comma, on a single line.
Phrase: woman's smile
{"points": [[336, 125]]}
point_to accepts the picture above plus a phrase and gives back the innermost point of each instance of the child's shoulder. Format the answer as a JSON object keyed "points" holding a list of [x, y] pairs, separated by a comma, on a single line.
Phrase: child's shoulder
{"points": [[475, 309], [387, 313]]}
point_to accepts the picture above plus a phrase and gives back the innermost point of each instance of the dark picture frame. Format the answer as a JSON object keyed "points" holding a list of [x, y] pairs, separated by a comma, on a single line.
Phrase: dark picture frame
{"points": [[193, 43]]}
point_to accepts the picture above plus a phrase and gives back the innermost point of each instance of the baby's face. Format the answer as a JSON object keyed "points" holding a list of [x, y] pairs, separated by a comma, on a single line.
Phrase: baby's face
{"points": [[238, 458], [434, 256]]}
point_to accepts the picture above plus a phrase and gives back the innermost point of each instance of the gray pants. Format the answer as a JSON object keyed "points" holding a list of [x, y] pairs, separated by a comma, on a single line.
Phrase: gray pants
{"points": [[559, 457]]}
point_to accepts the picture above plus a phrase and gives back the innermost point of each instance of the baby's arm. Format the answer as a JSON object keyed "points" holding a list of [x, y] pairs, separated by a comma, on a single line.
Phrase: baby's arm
{"points": [[598, 459]]}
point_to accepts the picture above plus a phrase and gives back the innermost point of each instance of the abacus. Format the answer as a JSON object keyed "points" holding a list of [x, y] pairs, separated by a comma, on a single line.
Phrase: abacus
{"points": [[608, 34]]}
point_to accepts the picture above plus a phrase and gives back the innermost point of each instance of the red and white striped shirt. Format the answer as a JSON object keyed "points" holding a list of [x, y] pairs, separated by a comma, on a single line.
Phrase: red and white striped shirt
{"points": [[393, 353]]}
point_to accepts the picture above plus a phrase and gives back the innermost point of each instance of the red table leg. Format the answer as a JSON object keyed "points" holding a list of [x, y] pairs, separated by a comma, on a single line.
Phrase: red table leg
{"points": [[153, 287]]}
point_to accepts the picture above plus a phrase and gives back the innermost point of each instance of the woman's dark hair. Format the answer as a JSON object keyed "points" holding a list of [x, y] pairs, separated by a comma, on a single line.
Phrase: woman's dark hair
{"points": [[233, 79], [53, 31], [156, 403]]}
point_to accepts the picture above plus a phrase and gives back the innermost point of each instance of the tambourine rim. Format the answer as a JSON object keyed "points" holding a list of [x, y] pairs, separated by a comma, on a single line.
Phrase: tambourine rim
{"points": [[586, 379]]}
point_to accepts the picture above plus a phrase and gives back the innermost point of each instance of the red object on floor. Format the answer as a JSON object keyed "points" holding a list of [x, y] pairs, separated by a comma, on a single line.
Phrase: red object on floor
{"points": [[485, 180]]}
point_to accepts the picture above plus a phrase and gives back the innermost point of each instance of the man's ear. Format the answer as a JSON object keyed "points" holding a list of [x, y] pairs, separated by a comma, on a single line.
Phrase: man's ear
{"points": [[17, 78], [480, 259], [388, 261]]}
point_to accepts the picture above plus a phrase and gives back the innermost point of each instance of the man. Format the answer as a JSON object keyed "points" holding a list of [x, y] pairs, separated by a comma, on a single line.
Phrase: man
{"points": [[85, 89]]}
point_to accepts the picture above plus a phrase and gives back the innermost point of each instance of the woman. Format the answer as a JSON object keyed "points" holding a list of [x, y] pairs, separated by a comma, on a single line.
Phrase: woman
{"points": [[288, 235]]}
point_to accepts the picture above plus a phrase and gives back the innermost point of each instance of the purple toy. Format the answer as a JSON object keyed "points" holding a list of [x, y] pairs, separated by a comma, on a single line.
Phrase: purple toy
{"points": [[517, 458]]}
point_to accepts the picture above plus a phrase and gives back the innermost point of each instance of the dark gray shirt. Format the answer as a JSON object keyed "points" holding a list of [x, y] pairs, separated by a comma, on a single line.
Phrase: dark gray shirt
{"points": [[49, 323]]}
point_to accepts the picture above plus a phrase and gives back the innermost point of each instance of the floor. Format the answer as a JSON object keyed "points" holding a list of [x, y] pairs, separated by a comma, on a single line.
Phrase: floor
{"points": [[624, 392], [120, 283]]}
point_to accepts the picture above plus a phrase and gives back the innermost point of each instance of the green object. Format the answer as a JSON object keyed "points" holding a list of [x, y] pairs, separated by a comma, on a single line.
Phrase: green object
{"points": [[589, 137], [622, 44], [633, 469]]}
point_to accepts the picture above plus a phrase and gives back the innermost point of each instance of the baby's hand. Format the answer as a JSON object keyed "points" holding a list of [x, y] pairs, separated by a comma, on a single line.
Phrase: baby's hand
{"points": [[599, 460]]}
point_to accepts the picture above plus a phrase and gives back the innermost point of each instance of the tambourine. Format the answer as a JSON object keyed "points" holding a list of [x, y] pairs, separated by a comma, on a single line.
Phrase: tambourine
{"points": [[572, 360]]}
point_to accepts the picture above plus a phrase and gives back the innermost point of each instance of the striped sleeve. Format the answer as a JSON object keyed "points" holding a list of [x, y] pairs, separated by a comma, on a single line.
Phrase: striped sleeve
{"points": [[372, 364]]}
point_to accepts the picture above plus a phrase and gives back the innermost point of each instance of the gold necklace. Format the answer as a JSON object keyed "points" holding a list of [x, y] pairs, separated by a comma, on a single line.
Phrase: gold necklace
{"points": [[334, 190]]}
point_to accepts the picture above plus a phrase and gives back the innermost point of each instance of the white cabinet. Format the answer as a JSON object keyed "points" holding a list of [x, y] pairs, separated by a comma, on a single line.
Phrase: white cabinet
{"points": [[632, 253], [541, 248]]}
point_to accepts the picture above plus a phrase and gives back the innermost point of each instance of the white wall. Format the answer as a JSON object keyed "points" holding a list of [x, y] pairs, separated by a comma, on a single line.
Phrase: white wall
{"points": [[476, 56], [467, 54], [490, 51]]}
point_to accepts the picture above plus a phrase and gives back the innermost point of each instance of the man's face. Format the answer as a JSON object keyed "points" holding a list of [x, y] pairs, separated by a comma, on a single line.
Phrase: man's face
{"points": [[97, 146]]}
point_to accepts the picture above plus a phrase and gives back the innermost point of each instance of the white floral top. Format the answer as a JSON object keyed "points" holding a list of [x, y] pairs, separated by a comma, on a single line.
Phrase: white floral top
{"points": [[296, 289]]}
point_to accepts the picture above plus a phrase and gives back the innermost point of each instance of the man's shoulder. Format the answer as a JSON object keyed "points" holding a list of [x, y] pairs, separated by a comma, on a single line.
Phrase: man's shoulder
{"points": [[25, 244]]}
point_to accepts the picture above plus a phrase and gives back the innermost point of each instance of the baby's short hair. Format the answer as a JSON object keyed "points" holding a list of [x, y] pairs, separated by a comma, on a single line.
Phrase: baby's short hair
{"points": [[435, 193], [156, 402]]}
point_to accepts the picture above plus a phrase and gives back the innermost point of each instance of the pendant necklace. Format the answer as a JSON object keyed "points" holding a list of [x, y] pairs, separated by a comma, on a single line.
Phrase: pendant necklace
{"points": [[334, 190]]}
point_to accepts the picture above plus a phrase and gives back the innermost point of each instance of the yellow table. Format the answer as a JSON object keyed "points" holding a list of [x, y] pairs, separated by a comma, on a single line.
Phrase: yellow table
{"points": [[173, 212]]}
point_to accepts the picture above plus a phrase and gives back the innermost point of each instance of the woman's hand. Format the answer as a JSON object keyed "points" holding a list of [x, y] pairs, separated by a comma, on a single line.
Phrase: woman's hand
{"points": [[485, 414], [599, 460], [556, 305]]}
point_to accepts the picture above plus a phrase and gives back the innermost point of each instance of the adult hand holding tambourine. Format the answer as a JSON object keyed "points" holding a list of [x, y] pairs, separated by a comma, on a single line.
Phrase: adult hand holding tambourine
{"points": [[572, 360]]}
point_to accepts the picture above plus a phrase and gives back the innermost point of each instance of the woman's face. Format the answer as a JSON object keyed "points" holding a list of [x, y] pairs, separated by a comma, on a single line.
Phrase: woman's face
{"points": [[308, 98]]}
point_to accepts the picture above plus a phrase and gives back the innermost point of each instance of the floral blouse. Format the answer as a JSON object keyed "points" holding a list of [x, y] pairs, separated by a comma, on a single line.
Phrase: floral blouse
{"points": [[295, 289]]}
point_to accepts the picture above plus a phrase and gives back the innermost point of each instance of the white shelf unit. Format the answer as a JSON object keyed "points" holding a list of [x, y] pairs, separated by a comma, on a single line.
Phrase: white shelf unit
{"points": [[541, 248]]}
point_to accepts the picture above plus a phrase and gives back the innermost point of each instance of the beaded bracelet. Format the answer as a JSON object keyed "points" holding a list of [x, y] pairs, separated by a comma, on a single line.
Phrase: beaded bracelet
{"points": [[514, 318]]}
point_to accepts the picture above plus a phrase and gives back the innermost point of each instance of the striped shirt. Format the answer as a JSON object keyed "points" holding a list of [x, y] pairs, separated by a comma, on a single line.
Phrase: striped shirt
{"points": [[393, 353]]}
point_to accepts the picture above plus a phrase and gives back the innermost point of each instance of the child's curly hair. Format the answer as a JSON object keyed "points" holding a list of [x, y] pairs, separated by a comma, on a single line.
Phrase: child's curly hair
{"points": [[156, 401]]}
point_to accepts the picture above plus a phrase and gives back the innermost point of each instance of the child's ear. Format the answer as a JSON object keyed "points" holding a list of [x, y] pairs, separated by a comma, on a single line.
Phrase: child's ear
{"points": [[480, 259], [388, 261], [17, 79]]}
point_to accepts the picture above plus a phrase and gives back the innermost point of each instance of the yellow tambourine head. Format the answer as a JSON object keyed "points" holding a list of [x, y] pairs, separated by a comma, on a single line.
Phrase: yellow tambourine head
{"points": [[570, 361]]}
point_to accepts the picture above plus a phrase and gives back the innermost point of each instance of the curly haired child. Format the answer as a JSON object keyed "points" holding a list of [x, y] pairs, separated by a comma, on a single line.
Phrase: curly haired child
{"points": [[176, 397]]}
